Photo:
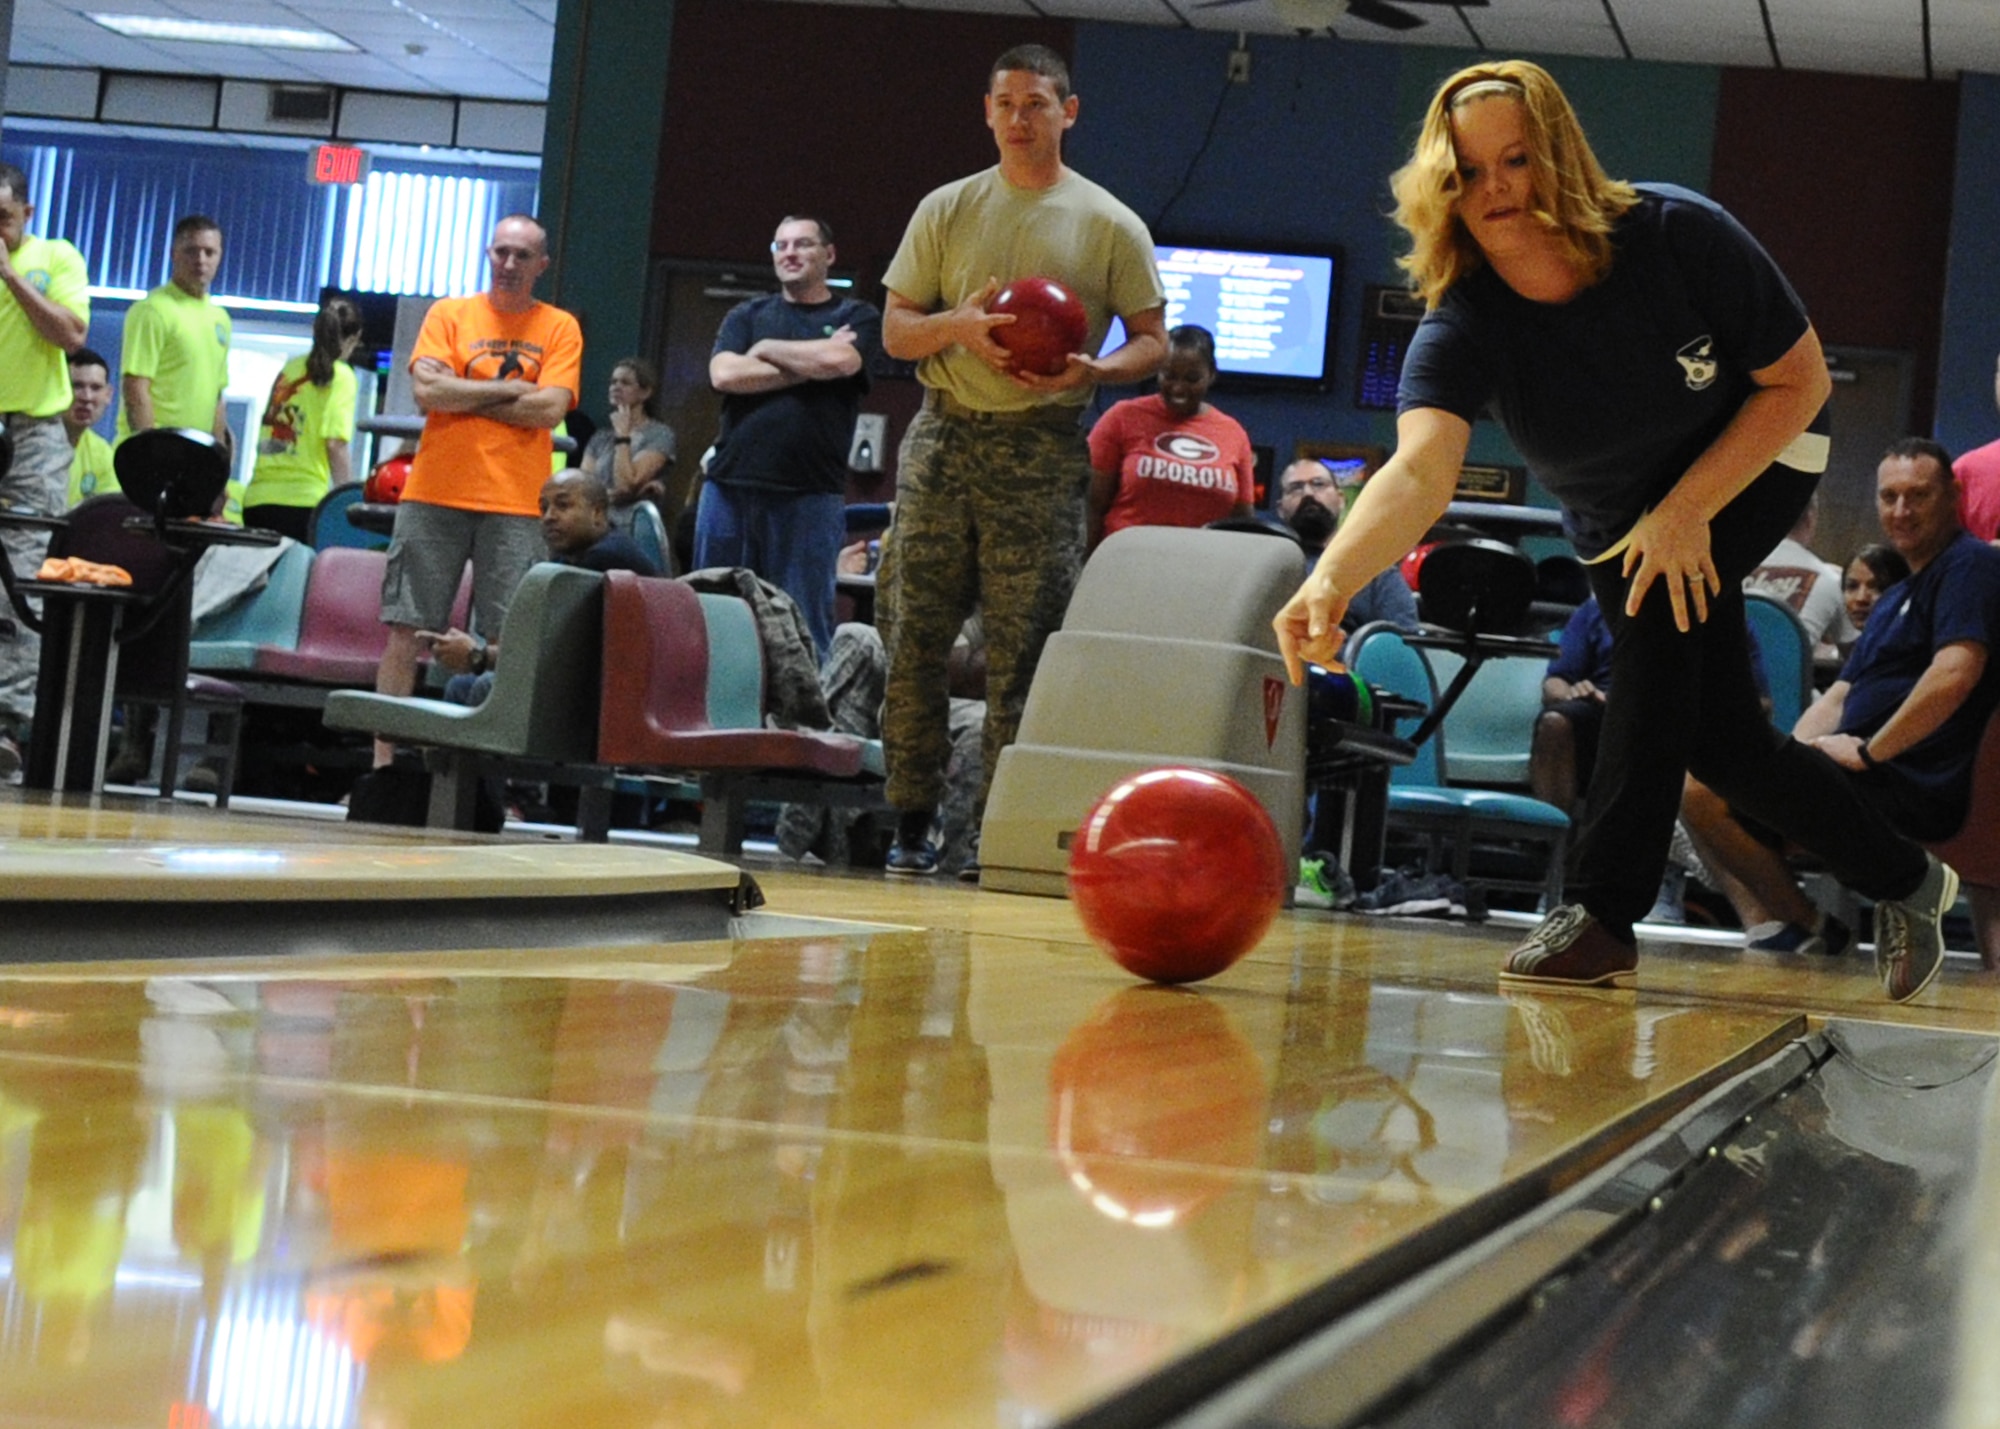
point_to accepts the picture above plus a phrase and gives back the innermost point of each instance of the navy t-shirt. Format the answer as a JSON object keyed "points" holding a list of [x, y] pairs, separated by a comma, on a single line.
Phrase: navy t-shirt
{"points": [[1611, 396], [1954, 598], [794, 439], [615, 551]]}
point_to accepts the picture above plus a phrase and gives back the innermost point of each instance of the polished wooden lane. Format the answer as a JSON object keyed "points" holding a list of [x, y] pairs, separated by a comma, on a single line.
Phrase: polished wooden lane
{"points": [[964, 1172]]}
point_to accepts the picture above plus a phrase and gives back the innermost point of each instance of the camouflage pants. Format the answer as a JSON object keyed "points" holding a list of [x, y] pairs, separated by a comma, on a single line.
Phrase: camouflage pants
{"points": [[988, 514], [38, 481]]}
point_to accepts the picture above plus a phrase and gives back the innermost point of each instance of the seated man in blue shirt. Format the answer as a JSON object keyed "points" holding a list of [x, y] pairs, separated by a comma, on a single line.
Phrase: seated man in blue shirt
{"points": [[1905, 718], [1563, 748], [576, 524]]}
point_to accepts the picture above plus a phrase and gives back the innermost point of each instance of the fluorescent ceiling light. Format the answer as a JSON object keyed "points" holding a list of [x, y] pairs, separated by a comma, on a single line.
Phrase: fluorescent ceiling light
{"points": [[215, 32]]}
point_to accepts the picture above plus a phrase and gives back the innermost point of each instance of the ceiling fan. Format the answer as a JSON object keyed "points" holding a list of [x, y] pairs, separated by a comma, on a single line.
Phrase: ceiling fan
{"points": [[1308, 16]]}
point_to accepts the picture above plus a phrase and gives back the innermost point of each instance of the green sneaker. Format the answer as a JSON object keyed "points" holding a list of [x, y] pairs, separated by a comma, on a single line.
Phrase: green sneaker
{"points": [[1323, 883]]}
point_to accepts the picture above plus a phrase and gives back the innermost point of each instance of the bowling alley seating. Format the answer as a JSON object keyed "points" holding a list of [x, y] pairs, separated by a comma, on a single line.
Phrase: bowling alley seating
{"points": [[1165, 656], [329, 526], [1423, 802], [1787, 654], [683, 692], [543, 706], [335, 641], [228, 639], [649, 534], [1491, 727], [1974, 851]]}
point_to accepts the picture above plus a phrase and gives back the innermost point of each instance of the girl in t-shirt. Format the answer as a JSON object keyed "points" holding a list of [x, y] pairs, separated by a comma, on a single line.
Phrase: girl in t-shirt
{"points": [[1171, 459], [303, 443]]}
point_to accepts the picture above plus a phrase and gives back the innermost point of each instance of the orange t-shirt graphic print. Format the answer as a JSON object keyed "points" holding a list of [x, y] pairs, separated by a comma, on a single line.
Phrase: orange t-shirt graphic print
{"points": [[477, 463]]}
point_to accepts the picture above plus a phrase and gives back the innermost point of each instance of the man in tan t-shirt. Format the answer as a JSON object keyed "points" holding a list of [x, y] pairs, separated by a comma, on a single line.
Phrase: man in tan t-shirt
{"points": [[993, 472]]}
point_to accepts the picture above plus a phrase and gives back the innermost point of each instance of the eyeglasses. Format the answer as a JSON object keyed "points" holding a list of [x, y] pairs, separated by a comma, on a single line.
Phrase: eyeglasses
{"points": [[1311, 483], [794, 245]]}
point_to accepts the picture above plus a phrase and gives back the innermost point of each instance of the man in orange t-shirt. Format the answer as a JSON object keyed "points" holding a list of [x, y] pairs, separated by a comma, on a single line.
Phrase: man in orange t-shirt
{"points": [[493, 374]]}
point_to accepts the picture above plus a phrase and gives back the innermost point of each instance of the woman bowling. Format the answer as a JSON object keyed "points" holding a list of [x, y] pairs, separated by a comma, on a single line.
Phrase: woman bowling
{"points": [[1661, 379]]}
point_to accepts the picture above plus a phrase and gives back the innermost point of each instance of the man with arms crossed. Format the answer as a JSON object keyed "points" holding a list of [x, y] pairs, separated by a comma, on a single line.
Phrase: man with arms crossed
{"points": [[493, 373], [44, 312], [791, 368], [994, 470]]}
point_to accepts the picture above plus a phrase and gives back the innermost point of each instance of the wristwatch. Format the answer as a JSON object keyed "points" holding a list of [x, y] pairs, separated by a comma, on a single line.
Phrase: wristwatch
{"points": [[480, 660]]}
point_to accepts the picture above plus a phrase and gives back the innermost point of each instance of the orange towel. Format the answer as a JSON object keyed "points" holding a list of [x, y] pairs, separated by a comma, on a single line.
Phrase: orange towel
{"points": [[74, 570]]}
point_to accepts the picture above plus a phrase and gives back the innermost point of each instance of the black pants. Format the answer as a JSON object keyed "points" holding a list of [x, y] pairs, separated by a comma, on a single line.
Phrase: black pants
{"points": [[1688, 703], [293, 521]]}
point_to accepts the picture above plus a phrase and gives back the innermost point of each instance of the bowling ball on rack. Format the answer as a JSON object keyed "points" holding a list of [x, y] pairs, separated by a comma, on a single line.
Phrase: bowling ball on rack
{"points": [[384, 486], [1049, 324], [1177, 873]]}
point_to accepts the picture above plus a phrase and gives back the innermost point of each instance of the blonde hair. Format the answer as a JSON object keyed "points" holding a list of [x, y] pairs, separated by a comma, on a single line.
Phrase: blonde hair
{"points": [[1573, 196]]}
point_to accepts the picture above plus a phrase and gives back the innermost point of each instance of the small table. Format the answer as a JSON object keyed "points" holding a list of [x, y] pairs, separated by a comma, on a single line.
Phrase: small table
{"points": [[82, 628]]}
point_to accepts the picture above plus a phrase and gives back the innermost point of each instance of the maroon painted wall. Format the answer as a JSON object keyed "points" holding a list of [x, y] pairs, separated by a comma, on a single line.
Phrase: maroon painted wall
{"points": [[1848, 181], [850, 113]]}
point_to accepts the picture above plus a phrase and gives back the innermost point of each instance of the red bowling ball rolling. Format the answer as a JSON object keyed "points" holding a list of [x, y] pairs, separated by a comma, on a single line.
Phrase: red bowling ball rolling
{"points": [[1177, 873], [1049, 324]]}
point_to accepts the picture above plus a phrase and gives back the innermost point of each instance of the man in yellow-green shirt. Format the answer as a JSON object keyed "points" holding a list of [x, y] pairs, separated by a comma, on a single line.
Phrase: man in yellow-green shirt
{"points": [[44, 312], [90, 470], [175, 363]]}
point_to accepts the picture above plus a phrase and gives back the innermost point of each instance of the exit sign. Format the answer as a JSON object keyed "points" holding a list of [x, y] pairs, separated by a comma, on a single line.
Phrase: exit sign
{"points": [[338, 164]]}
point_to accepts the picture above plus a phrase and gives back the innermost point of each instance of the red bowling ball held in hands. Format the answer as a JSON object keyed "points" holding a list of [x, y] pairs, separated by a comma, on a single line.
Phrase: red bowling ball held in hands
{"points": [[1177, 873], [1049, 324]]}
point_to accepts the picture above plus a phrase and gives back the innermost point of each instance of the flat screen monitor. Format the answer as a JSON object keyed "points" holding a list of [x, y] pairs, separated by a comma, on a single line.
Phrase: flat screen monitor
{"points": [[1271, 310]]}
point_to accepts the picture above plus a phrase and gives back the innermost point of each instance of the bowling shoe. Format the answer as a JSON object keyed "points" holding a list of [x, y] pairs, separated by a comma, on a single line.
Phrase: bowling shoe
{"points": [[1909, 933], [1571, 949]]}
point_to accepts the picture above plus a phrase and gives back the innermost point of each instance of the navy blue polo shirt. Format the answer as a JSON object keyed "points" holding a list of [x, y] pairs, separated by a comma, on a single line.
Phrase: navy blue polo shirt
{"points": [[1954, 598]]}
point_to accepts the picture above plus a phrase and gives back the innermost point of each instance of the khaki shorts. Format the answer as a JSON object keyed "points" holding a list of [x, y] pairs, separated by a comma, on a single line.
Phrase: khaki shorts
{"points": [[427, 558]]}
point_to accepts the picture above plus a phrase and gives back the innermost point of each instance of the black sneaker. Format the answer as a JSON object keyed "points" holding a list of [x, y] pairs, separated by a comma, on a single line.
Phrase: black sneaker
{"points": [[912, 860], [968, 872]]}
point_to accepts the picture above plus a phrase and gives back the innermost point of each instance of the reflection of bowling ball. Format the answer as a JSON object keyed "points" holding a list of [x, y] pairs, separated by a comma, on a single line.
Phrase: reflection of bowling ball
{"points": [[1049, 324], [384, 486], [1177, 873], [1152, 1097]]}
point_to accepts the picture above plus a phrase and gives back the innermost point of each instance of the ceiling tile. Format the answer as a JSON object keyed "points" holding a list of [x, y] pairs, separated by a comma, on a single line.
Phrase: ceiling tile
{"points": [[505, 46]]}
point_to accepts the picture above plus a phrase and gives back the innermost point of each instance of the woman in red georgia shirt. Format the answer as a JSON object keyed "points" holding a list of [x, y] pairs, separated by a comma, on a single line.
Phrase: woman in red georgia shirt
{"points": [[1171, 459]]}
